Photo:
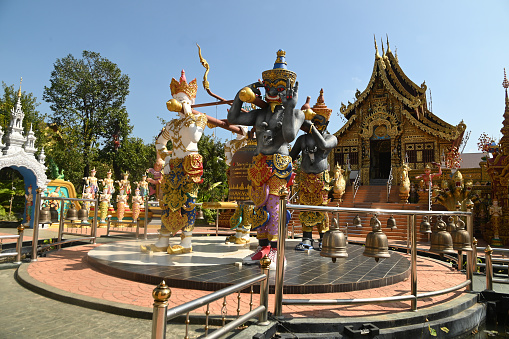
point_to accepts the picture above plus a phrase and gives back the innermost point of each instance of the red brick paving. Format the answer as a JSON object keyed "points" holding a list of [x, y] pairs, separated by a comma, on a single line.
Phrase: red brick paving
{"points": [[67, 270]]}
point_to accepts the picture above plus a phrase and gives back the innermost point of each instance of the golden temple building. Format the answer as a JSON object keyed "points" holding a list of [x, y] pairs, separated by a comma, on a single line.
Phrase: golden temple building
{"points": [[389, 123]]}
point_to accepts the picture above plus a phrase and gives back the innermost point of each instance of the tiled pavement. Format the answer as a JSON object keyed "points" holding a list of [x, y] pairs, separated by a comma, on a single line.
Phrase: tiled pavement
{"points": [[68, 270], [25, 314]]}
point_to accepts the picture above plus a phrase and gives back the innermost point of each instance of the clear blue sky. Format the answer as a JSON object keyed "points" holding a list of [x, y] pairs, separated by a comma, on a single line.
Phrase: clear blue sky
{"points": [[459, 48]]}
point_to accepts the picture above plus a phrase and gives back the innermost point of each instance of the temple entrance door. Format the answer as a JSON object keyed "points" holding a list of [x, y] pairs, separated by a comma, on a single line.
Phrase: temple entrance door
{"points": [[380, 159]]}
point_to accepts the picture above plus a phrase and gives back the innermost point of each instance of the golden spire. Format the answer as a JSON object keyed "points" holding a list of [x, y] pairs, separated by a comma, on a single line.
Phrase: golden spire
{"points": [[21, 80], [383, 50], [505, 84], [388, 47], [377, 55]]}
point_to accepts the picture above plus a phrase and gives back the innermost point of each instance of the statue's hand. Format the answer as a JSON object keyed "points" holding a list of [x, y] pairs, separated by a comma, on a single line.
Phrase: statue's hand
{"points": [[290, 100], [254, 87]]}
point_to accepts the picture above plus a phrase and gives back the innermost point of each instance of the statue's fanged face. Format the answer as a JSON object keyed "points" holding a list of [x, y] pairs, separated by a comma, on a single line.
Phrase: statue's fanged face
{"points": [[274, 90]]}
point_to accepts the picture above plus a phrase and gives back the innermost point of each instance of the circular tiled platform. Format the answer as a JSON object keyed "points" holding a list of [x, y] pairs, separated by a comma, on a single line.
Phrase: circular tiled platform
{"points": [[211, 266]]}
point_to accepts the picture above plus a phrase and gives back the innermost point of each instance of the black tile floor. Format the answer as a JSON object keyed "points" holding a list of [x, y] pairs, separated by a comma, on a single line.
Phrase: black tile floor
{"points": [[304, 273]]}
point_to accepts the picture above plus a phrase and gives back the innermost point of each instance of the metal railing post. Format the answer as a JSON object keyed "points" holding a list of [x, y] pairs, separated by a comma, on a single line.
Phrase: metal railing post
{"points": [[281, 239], [264, 292], [61, 223], [35, 237], [489, 268], [413, 273], [161, 294], [470, 229], [474, 255], [19, 245], [145, 224], [94, 221]]}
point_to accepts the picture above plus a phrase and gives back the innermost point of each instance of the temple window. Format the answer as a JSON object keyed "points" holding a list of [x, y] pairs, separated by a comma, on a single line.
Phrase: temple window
{"points": [[420, 152]]}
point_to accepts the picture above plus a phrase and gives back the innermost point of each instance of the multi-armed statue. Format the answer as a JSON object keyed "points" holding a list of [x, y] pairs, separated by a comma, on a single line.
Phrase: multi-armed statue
{"points": [[277, 122]]}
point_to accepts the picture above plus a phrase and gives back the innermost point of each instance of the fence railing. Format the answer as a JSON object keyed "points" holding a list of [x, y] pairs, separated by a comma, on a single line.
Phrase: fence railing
{"points": [[80, 237], [162, 314], [489, 264], [126, 225], [411, 216], [19, 244]]}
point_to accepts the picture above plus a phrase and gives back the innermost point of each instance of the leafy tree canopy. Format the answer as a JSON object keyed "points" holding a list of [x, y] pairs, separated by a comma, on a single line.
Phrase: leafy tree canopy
{"points": [[87, 97]]}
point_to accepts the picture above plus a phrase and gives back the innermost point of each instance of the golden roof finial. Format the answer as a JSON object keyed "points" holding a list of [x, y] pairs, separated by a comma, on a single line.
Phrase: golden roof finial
{"points": [[21, 80], [383, 50], [505, 84], [377, 55], [388, 47]]}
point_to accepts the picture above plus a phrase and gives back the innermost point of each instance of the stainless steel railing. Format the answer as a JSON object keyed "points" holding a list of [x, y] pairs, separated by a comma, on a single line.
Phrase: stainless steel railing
{"points": [[489, 265], [128, 229], [414, 295], [19, 244], [161, 314], [35, 239]]}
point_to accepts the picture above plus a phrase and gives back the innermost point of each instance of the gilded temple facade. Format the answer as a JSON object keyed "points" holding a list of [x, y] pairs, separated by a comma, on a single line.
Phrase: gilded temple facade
{"points": [[390, 123]]}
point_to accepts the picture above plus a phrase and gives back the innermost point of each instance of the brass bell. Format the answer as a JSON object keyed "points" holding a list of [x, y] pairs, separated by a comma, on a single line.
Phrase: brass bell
{"points": [[44, 216], [377, 245], [441, 240], [451, 226], [53, 214], [72, 213], [440, 223], [334, 243], [391, 223], [357, 222], [461, 238], [425, 226], [83, 215], [199, 215]]}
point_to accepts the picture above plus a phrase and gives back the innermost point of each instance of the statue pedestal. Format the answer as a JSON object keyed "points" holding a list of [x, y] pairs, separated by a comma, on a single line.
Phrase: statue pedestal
{"points": [[338, 197], [423, 197], [496, 242], [403, 197]]}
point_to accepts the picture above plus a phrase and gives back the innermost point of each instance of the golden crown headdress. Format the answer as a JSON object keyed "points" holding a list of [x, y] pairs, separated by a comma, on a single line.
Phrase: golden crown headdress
{"points": [[280, 70], [320, 108], [188, 89]]}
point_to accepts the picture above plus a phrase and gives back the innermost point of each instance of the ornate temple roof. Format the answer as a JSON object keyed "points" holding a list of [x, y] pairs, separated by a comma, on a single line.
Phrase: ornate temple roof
{"points": [[411, 96]]}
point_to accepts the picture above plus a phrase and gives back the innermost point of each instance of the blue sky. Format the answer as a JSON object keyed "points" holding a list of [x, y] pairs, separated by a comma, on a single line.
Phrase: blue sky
{"points": [[459, 48]]}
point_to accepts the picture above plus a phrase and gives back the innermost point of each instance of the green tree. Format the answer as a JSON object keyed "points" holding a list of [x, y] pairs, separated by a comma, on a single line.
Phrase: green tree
{"points": [[215, 180], [132, 156], [29, 104], [87, 97]]}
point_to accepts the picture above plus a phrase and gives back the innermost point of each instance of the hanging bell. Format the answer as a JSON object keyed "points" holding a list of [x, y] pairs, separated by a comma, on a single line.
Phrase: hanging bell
{"points": [[391, 223], [441, 240], [72, 213], [44, 216], [53, 214], [357, 222], [83, 215], [438, 224], [334, 244], [461, 238], [425, 225], [451, 226], [199, 215], [377, 245]]}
